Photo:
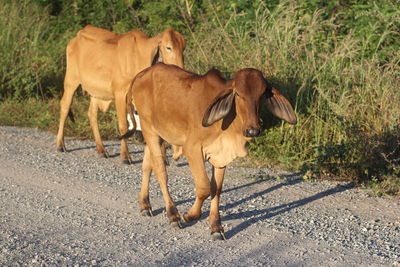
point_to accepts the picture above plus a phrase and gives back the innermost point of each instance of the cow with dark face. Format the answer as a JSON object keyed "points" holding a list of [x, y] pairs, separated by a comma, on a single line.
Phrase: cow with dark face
{"points": [[210, 118]]}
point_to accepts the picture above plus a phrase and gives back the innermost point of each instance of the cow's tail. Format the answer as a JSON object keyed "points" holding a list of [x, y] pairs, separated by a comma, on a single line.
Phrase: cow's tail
{"points": [[130, 109], [71, 116]]}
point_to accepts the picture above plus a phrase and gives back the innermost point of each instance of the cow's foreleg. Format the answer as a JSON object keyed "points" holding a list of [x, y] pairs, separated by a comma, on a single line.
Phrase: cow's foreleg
{"points": [[92, 114], [120, 106], [214, 219], [158, 164], [144, 200], [202, 184]]}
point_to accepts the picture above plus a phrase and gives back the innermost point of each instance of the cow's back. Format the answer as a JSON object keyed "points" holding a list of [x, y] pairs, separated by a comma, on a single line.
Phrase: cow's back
{"points": [[93, 61], [98, 34], [175, 100]]}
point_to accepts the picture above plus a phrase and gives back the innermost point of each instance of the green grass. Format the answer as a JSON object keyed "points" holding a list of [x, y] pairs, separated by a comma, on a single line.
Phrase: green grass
{"points": [[348, 105], [44, 115], [343, 81], [31, 54]]}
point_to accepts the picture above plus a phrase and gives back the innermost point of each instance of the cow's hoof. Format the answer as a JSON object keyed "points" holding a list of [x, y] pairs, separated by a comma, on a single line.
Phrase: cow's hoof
{"points": [[219, 235], [147, 212], [185, 218], [176, 224], [103, 154], [188, 219], [139, 137], [127, 161], [61, 149]]}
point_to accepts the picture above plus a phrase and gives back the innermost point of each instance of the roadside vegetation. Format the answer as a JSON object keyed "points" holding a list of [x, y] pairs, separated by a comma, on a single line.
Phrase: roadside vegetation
{"points": [[338, 63]]}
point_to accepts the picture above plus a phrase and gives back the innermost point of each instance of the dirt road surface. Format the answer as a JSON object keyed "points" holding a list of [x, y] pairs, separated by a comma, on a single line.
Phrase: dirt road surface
{"points": [[74, 209]]}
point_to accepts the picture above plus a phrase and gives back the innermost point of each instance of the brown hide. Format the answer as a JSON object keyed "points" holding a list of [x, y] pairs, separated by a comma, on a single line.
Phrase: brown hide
{"points": [[210, 117], [104, 64]]}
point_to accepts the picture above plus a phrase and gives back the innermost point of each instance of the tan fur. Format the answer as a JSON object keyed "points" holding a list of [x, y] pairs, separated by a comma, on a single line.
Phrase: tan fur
{"points": [[104, 64], [172, 104]]}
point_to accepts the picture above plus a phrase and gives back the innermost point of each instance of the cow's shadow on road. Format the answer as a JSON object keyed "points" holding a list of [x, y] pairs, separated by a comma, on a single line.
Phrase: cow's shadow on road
{"points": [[262, 214], [81, 148], [107, 147], [257, 215]]}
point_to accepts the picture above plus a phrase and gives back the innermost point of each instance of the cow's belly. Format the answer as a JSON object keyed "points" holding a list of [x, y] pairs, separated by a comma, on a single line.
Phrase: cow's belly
{"points": [[171, 135], [96, 75], [98, 88]]}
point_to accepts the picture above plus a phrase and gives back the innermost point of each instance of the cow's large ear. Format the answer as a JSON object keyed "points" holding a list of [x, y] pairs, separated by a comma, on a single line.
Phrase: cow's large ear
{"points": [[280, 106], [219, 108]]}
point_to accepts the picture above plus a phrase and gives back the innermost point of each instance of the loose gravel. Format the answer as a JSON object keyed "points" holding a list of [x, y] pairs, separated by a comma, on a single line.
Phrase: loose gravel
{"points": [[75, 209]]}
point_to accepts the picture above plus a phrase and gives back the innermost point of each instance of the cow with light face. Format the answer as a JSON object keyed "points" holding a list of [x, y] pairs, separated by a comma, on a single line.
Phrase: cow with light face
{"points": [[210, 118], [104, 64]]}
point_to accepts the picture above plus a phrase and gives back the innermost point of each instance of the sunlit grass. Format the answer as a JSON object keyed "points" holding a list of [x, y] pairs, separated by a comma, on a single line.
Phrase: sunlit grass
{"points": [[348, 105]]}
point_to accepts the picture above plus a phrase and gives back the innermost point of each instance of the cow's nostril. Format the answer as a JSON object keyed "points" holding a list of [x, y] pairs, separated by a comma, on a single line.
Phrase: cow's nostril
{"points": [[252, 132]]}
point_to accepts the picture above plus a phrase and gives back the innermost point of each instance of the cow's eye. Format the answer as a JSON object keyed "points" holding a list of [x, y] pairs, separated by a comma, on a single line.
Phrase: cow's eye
{"points": [[169, 49]]}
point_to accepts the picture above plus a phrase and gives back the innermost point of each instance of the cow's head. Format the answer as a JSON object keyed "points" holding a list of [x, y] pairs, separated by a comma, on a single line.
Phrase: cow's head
{"points": [[248, 90], [171, 45]]}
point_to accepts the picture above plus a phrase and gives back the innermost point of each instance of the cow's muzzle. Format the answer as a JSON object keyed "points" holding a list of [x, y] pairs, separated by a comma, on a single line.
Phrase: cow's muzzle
{"points": [[252, 132]]}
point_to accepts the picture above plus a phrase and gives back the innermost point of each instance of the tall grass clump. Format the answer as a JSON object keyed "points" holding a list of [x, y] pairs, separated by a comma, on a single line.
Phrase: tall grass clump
{"points": [[344, 88], [29, 62]]}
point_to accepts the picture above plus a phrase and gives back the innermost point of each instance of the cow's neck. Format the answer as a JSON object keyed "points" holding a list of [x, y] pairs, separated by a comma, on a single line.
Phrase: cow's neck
{"points": [[228, 144], [225, 148], [153, 46]]}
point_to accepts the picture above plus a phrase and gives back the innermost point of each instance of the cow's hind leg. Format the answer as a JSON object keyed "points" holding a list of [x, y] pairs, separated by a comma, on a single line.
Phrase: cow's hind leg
{"points": [[94, 106], [158, 165], [214, 219], [144, 200], [120, 106], [164, 152]]}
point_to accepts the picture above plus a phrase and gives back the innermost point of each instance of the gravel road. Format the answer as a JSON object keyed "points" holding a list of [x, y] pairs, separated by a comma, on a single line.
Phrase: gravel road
{"points": [[74, 209]]}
